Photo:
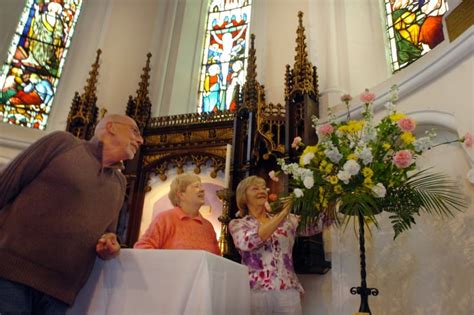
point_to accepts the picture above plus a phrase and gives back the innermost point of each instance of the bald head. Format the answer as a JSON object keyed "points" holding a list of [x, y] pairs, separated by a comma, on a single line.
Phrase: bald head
{"points": [[101, 127], [120, 136]]}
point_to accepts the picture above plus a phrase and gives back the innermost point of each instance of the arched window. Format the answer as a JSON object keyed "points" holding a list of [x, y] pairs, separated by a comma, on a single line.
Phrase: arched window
{"points": [[414, 27], [225, 52], [29, 78]]}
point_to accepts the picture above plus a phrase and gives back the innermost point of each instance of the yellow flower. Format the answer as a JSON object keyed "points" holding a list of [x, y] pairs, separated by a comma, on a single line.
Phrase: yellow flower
{"points": [[352, 156], [325, 203], [397, 116], [386, 146], [407, 137], [329, 168], [367, 172], [354, 126], [323, 163], [333, 180], [368, 182], [343, 128], [338, 189], [308, 149]]}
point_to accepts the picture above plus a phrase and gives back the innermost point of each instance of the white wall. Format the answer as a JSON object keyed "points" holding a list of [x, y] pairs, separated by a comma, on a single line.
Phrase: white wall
{"points": [[344, 40]]}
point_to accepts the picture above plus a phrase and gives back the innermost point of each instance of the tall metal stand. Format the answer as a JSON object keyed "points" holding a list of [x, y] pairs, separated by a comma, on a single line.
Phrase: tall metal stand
{"points": [[363, 291]]}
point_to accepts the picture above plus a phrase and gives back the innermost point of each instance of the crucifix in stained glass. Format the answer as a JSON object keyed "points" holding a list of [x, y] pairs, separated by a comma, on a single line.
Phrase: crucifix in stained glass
{"points": [[29, 77], [225, 53], [414, 27]]}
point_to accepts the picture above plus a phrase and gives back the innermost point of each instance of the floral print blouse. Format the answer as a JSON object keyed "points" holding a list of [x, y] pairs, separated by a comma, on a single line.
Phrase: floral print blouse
{"points": [[270, 262]]}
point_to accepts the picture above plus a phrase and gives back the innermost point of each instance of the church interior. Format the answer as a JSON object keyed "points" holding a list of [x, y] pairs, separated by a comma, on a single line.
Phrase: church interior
{"points": [[145, 58]]}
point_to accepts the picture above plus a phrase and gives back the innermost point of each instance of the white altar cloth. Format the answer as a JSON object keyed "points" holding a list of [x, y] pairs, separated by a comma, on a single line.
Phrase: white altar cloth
{"points": [[140, 282]]}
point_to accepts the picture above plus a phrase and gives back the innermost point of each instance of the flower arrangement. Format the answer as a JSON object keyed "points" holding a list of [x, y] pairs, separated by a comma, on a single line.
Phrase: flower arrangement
{"points": [[360, 167]]}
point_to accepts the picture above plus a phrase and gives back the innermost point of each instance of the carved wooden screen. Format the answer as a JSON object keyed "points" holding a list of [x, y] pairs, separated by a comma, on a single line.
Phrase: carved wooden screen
{"points": [[174, 144], [259, 131]]}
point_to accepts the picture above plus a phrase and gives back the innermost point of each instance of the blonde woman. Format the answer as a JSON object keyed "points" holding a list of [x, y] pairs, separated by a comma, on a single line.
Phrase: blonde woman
{"points": [[265, 242], [182, 227]]}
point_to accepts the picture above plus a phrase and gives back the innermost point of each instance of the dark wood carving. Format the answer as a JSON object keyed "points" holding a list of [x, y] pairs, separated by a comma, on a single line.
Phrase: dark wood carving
{"points": [[82, 116], [302, 102]]}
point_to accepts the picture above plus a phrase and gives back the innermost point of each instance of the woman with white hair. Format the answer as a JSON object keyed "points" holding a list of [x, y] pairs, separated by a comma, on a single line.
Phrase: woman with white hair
{"points": [[182, 227]]}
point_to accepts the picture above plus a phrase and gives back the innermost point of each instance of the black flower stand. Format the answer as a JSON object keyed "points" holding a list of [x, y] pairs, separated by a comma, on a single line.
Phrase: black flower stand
{"points": [[363, 291]]}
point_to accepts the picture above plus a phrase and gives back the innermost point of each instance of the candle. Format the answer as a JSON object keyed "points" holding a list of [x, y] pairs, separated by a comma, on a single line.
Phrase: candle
{"points": [[228, 157]]}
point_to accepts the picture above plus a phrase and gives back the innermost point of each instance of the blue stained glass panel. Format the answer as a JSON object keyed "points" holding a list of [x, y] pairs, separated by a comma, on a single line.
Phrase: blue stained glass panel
{"points": [[225, 54]]}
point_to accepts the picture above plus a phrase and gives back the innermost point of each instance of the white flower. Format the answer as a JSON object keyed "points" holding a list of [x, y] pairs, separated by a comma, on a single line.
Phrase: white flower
{"points": [[298, 193], [422, 144], [300, 172], [333, 154], [394, 93], [315, 121], [365, 155], [290, 168], [307, 158], [308, 182], [351, 167], [369, 133], [344, 176], [281, 161], [379, 190], [390, 107]]}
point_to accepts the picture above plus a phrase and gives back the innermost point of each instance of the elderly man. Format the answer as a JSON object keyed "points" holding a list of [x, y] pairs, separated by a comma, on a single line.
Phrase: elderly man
{"points": [[59, 204]]}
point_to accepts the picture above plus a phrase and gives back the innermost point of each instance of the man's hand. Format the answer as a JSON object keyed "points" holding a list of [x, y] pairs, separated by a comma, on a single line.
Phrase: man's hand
{"points": [[107, 246]]}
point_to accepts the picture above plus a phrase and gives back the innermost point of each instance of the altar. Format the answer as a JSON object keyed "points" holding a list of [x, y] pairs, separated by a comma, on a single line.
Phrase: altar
{"points": [[165, 282]]}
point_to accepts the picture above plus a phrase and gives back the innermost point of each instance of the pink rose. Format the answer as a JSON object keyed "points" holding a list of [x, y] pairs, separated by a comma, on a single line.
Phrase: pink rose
{"points": [[403, 159], [325, 130], [367, 97], [296, 142], [273, 176], [468, 140], [407, 124]]}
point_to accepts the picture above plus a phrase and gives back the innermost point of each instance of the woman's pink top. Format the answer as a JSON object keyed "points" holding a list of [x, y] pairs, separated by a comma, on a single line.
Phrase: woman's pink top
{"points": [[174, 229]]}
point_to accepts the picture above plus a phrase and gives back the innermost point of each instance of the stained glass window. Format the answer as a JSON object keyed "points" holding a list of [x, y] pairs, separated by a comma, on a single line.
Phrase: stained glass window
{"points": [[224, 60], [414, 27], [29, 78]]}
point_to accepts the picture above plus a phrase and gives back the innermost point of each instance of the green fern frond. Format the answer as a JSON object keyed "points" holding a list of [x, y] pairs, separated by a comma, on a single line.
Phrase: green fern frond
{"points": [[433, 193]]}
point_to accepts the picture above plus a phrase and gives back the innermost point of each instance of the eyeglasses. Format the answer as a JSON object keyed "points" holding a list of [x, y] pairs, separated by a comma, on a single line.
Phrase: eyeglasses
{"points": [[135, 130]]}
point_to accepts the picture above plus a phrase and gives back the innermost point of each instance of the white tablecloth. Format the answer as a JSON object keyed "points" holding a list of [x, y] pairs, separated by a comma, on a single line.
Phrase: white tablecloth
{"points": [[140, 282]]}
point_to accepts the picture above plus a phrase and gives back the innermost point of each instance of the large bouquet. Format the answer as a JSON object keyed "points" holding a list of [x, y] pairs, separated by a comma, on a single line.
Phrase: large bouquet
{"points": [[361, 168]]}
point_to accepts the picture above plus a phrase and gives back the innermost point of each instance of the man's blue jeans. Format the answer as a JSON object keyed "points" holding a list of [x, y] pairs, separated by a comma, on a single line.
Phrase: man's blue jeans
{"points": [[16, 298]]}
